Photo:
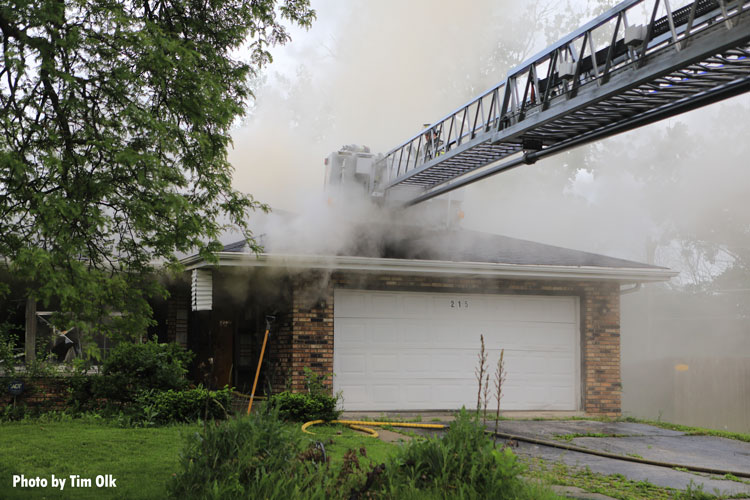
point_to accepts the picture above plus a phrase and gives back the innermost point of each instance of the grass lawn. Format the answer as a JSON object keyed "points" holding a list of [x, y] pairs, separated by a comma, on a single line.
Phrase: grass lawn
{"points": [[140, 460], [338, 439]]}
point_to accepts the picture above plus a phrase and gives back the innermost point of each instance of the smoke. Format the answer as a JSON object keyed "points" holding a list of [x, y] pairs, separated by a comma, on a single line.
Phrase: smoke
{"points": [[674, 193], [371, 74]]}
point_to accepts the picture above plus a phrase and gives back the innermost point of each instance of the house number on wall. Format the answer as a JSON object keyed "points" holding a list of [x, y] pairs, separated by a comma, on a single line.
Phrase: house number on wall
{"points": [[459, 304]]}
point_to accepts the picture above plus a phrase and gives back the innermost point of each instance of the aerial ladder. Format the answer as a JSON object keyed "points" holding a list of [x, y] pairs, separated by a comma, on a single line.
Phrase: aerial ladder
{"points": [[609, 76]]}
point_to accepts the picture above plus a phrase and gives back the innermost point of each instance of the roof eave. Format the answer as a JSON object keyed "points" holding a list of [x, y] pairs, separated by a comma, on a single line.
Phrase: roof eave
{"points": [[440, 267]]}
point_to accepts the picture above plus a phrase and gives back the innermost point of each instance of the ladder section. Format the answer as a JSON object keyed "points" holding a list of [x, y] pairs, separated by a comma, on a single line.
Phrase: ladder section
{"points": [[607, 77]]}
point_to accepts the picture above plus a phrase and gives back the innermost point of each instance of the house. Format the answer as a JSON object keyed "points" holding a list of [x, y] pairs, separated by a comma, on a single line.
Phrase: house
{"points": [[397, 318]]}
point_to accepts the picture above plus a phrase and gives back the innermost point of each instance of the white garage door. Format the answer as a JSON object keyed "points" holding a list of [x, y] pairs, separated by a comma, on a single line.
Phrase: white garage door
{"points": [[418, 351]]}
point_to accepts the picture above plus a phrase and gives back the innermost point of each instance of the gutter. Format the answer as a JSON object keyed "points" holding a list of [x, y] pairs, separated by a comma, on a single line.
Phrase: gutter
{"points": [[432, 267], [634, 288]]}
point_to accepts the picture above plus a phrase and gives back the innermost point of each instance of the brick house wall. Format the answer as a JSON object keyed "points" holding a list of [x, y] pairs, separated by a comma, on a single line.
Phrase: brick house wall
{"points": [[40, 393], [279, 365], [306, 339]]}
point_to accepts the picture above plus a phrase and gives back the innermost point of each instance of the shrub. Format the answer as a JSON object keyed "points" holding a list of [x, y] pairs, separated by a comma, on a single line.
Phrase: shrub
{"points": [[132, 368], [255, 456], [463, 464], [163, 407], [145, 384], [305, 407]]}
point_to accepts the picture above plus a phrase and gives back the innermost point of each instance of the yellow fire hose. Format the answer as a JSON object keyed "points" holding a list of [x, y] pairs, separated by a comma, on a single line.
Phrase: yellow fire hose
{"points": [[358, 425]]}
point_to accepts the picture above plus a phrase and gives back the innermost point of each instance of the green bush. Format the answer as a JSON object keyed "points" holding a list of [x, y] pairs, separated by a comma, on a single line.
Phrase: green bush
{"points": [[132, 368], [145, 384], [462, 464], [163, 407], [299, 407], [256, 456]]}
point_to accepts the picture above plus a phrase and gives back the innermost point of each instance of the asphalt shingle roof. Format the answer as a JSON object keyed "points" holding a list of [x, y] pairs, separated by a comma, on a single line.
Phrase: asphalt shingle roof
{"points": [[454, 245]]}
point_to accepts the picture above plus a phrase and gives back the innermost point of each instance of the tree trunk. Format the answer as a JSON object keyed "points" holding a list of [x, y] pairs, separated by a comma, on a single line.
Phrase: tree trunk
{"points": [[30, 342]]}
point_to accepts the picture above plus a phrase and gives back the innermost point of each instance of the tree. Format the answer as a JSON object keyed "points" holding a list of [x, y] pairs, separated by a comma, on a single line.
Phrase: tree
{"points": [[113, 152]]}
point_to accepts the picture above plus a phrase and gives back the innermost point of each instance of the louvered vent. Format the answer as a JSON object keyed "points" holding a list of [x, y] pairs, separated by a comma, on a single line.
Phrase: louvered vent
{"points": [[202, 290]]}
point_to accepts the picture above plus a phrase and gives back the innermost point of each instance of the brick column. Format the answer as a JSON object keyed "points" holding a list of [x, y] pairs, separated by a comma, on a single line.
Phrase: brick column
{"points": [[600, 349], [312, 330]]}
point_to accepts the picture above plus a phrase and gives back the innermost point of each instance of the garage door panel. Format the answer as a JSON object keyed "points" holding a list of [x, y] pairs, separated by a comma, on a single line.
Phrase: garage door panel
{"points": [[413, 332], [352, 364], [417, 307], [383, 305], [401, 350], [446, 395], [350, 332], [418, 393], [353, 303], [451, 361], [354, 394], [384, 364], [380, 330], [415, 363], [548, 335], [385, 394]]}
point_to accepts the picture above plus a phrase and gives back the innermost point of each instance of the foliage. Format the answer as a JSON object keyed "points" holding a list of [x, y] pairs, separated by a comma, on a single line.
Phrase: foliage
{"points": [[340, 439], [130, 370], [145, 384], [314, 382], [300, 407], [260, 456], [142, 460], [113, 142], [8, 342], [316, 404], [147, 407], [499, 381], [131, 367], [254, 456], [464, 464], [572, 436], [41, 366], [14, 412], [480, 372], [165, 407]]}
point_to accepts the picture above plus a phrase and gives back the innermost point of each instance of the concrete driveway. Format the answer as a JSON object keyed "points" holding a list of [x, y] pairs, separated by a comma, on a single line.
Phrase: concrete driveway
{"points": [[638, 440]]}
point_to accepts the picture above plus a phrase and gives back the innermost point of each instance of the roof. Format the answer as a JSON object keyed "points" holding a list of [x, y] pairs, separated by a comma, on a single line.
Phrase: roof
{"points": [[454, 251], [456, 246]]}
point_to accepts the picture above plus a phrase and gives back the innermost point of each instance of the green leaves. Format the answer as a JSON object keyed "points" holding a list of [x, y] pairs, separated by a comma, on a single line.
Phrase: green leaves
{"points": [[300, 407], [113, 140]]}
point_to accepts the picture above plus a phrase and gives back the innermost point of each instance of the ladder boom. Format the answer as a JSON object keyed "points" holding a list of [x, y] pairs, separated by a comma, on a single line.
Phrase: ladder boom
{"points": [[573, 92]]}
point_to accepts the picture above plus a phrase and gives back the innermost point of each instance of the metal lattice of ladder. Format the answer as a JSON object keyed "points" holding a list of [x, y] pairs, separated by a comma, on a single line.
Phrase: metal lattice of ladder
{"points": [[574, 92]]}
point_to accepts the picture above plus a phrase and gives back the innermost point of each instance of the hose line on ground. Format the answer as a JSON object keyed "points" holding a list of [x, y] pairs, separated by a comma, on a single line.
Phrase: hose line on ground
{"points": [[359, 425]]}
